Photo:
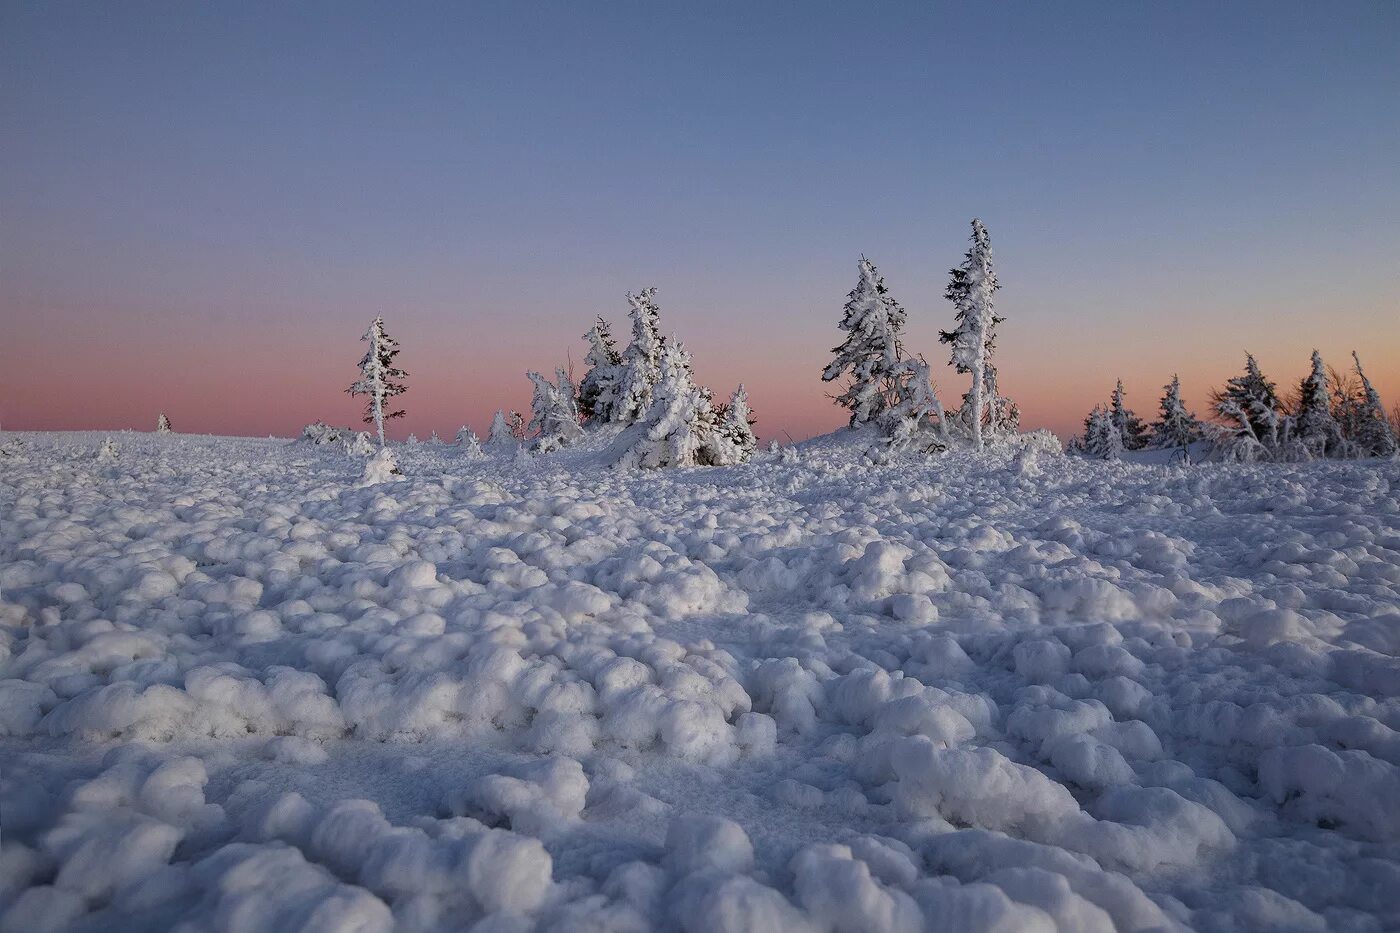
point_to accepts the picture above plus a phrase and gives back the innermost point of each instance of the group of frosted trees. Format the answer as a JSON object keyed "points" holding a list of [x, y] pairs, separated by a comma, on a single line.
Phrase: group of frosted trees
{"points": [[646, 394], [1329, 414], [895, 393]]}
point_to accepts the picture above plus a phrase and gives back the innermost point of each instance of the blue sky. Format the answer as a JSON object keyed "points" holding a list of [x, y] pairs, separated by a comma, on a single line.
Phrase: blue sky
{"points": [[1166, 185]]}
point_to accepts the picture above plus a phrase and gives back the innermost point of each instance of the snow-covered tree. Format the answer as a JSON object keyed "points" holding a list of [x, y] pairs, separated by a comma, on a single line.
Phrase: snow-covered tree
{"points": [[678, 428], [734, 441], [916, 421], [1250, 403], [1374, 436], [1000, 415], [517, 425], [1129, 426], [872, 351], [469, 443], [163, 424], [1313, 423], [500, 437], [433, 438], [379, 377], [1177, 428], [359, 445], [553, 417], [1101, 436], [640, 361], [412, 440], [107, 453], [568, 391], [971, 288], [597, 393], [382, 467]]}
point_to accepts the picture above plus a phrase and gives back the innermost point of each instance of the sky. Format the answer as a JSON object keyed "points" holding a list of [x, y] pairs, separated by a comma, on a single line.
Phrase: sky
{"points": [[203, 205]]}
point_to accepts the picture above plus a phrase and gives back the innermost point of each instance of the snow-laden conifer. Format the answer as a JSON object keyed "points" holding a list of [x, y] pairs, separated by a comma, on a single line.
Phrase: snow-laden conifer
{"points": [[469, 443], [873, 349], [107, 453], [500, 438], [916, 421], [1250, 404], [381, 467], [598, 392], [1101, 436], [734, 441], [640, 361], [379, 377], [971, 288], [163, 424], [1176, 428], [1313, 423], [677, 428], [1129, 426], [359, 445], [553, 417], [1374, 435]]}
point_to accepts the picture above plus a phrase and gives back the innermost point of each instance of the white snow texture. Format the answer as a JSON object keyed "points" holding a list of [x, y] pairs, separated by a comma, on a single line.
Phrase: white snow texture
{"points": [[256, 685]]}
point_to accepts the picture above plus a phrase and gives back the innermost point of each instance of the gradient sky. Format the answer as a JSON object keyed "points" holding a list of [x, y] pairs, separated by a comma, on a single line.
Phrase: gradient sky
{"points": [[203, 204]]}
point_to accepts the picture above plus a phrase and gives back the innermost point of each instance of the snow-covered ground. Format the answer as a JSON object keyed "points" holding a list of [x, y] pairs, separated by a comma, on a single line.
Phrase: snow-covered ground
{"points": [[240, 691]]}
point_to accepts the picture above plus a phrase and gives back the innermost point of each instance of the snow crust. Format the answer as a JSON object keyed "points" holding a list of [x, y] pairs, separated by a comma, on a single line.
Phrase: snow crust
{"points": [[261, 685]]}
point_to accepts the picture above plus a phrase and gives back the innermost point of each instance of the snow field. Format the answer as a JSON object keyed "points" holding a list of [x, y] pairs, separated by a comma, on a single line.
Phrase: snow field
{"points": [[246, 686]]}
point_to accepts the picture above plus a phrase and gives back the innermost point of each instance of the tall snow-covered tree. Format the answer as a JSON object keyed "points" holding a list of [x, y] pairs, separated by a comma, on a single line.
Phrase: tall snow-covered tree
{"points": [[553, 417], [734, 441], [971, 288], [873, 349], [500, 437], [1176, 428], [163, 424], [678, 428], [379, 377], [1373, 433], [916, 420], [597, 393], [1250, 403], [1313, 423], [1129, 426], [640, 361]]}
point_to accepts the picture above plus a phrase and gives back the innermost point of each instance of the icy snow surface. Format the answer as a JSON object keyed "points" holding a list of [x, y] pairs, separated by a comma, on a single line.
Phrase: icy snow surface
{"points": [[240, 689]]}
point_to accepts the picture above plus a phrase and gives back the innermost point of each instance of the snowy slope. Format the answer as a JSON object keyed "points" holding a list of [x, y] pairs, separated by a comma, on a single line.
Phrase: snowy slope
{"points": [[240, 691]]}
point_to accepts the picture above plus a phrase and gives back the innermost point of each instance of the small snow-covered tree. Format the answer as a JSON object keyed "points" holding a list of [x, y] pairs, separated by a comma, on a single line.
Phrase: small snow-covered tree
{"points": [[379, 377], [872, 351], [517, 425], [568, 391], [971, 288], [677, 429], [382, 467], [1313, 423], [1374, 436], [553, 417], [469, 443], [916, 420], [107, 453], [1101, 436], [163, 424], [734, 441], [1128, 425], [500, 437], [1177, 428], [1251, 405], [597, 393], [359, 445], [640, 361], [412, 440]]}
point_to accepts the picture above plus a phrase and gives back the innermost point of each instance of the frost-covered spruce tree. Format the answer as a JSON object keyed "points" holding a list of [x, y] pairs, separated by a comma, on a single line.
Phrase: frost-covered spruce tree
{"points": [[734, 441], [1177, 428], [360, 445], [597, 393], [1374, 435], [971, 288], [379, 377], [916, 421], [873, 348], [677, 430], [569, 393], [1251, 404], [1101, 436], [1313, 424], [1129, 426], [500, 437], [553, 417], [163, 424], [640, 361]]}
